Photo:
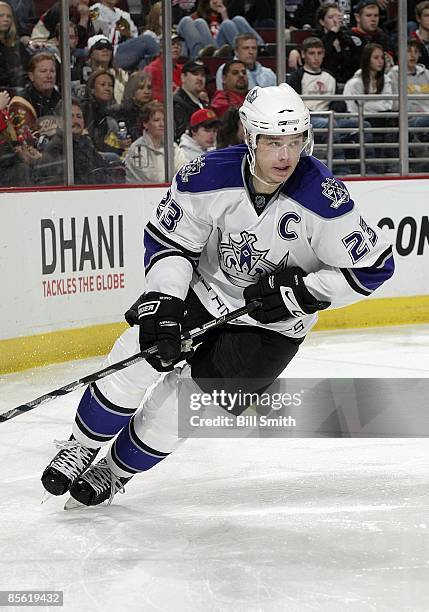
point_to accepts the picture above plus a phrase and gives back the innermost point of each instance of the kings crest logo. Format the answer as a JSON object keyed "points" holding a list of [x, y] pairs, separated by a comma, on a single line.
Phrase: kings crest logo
{"points": [[335, 192], [252, 95], [193, 167], [242, 263]]}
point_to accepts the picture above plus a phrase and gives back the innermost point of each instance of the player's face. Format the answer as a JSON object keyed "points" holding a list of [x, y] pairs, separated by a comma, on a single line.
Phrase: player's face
{"points": [[247, 51], [277, 157], [43, 76], [376, 63], [205, 137], [368, 18], [313, 58]]}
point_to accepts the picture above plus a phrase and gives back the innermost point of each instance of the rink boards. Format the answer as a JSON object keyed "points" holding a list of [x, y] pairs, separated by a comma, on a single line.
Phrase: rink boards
{"points": [[71, 264]]}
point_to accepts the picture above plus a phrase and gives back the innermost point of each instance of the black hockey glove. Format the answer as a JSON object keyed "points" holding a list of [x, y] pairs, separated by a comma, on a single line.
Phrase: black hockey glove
{"points": [[283, 295], [160, 317]]}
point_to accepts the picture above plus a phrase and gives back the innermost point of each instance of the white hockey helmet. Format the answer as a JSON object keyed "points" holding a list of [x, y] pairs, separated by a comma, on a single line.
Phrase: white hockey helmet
{"points": [[275, 111]]}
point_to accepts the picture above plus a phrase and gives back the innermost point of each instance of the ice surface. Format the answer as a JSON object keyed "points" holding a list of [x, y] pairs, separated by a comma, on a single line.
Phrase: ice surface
{"points": [[242, 525]]}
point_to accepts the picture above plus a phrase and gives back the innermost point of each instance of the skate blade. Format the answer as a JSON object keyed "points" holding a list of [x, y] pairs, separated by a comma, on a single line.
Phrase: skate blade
{"points": [[45, 497], [73, 504]]}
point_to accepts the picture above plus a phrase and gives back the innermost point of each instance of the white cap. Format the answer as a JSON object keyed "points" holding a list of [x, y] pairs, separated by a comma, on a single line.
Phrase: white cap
{"points": [[98, 38]]}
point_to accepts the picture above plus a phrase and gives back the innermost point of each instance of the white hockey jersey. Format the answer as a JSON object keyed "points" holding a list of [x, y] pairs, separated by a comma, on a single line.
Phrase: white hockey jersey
{"points": [[206, 234]]}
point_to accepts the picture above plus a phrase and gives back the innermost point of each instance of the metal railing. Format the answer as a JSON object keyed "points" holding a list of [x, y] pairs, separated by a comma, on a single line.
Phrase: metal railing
{"points": [[371, 158]]}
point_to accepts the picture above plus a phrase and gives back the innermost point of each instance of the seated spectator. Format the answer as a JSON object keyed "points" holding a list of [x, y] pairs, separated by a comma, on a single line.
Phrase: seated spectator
{"points": [[89, 166], [155, 69], [144, 161], [210, 29], [235, 88], [246, 50], [422, 33], [342, 55], [200, 136], [100, 112], [42, 92], [190, 97], [138, 92], [230, 131], [418, 83], [16, 156], [367, 15], [309, 80], [13, 57], [76, 62], [47, 27], [131, 50], [25, 16], [153, 22], [371, 79], [100, 56]]}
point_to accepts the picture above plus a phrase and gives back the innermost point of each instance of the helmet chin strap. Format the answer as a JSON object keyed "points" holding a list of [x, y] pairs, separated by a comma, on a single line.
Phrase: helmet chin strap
{"points": [[252, 159]]}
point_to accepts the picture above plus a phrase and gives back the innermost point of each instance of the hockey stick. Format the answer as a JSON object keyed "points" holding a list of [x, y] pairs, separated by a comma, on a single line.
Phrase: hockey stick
{"points": [[125, 363]]}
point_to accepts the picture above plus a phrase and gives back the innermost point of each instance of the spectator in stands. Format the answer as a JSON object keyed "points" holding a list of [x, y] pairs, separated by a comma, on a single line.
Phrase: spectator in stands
{"points": [[210, 31], [100, 56], [418, 83], [47, 27], [15, 158], [144, 161], [77, 62], [89, 166], [13, 57], [246, 50], [131, 50], [371, 79], [25, 16], [42, 92], [155, 69], [100, 112], [235, 87], [367, 29], [200, 136], [153, 22], [342, 56], [138, 92], [230, 131], [309, 80], [190, 97], [422, 33]]}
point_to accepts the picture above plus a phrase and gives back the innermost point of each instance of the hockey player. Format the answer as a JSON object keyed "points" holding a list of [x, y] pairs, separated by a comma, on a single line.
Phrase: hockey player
{"points": [[264, 221]]}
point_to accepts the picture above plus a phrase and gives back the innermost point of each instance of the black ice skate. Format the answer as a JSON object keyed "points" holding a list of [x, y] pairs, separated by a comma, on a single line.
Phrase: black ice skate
{"points": [[67, 465], [95, 486]]}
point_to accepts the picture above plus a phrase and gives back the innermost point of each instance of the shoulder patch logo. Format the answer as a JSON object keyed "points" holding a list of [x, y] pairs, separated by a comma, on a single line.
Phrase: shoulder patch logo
{"points": [[332, 190], [193, 167]]}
